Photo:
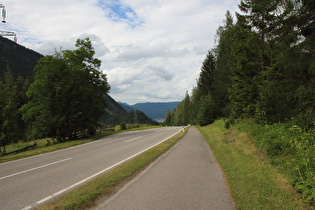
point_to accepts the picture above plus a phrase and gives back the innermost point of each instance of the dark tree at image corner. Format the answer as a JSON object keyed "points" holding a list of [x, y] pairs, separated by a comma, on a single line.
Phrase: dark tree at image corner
{"points": [[67, 94]]}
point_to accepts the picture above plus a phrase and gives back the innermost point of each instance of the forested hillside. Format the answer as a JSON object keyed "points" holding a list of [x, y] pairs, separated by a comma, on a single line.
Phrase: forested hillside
{"points": [[19, 59], [263, 69], [131, 117], [112, 108]]}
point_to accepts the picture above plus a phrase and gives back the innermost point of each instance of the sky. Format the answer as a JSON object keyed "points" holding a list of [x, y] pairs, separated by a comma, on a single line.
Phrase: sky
{"points": [[151, 50]]}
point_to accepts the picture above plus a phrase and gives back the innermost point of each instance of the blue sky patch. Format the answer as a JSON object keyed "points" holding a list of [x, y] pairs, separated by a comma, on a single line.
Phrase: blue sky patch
{"points": [[119, 12]]}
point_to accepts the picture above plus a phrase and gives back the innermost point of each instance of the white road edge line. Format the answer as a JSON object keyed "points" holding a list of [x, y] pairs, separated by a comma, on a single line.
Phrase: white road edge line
{"points": [[32, 169], [94, 175], [133, 139]]}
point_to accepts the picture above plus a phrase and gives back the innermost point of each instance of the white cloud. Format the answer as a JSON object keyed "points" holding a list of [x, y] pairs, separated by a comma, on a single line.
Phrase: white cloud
{"points": [[162, 72], [150, 50]]}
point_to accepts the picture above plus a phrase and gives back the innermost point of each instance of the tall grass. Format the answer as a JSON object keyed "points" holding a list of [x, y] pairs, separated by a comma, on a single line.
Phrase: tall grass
{"points": [[290, 148], [253, 182]]}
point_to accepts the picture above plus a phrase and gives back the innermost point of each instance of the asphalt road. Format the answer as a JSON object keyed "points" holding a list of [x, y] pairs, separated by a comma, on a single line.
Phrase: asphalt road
{"points": [[30, 182], [187, 177]]}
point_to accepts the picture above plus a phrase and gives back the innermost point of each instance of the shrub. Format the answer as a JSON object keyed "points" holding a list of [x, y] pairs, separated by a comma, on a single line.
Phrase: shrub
{"points": [[130, 126], [123, 126], [91, 130], [303, 161], [290, 148]]}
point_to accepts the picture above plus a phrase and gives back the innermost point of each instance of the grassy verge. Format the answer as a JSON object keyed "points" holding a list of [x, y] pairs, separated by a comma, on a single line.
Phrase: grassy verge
{"points": [[253, 182], [42, 146], [289, 148], [86, 195]]}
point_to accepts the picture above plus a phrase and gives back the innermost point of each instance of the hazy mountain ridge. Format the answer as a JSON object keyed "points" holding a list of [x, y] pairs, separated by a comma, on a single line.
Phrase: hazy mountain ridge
{"points": [[154, 110]]}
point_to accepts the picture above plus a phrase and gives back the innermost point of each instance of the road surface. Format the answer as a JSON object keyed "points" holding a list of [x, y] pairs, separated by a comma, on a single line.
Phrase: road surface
{"points": [[187, 177], [30, 182]]}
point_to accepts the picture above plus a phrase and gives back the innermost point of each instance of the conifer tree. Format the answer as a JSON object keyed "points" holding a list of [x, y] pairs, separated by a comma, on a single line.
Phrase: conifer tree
{"points": [[223, 73], [206, 75], [207, 112], [168, 118], [245, 68], [186, 109], [9, 106]]}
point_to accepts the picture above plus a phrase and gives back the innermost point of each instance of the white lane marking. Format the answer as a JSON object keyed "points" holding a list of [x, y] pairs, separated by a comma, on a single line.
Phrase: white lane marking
{"points": [[32, 169], [94, 175], [158, 131], [133, 139]]}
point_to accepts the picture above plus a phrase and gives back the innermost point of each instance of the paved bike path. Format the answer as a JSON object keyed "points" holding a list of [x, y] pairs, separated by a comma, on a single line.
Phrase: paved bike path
{"points": [[186, 177]]}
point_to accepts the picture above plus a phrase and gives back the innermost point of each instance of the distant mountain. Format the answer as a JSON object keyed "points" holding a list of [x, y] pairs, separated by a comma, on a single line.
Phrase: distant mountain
{"points": [[112, 109], [126, 106], [131, 117], [153, 110]]}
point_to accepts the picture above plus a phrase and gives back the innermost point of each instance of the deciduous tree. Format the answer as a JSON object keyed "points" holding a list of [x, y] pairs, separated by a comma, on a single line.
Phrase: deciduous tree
{"points": [[67, 94]]}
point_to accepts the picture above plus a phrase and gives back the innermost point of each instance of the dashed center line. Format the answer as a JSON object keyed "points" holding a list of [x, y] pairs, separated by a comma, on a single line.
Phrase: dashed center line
{"points": [[133, 139], [32, 169]]}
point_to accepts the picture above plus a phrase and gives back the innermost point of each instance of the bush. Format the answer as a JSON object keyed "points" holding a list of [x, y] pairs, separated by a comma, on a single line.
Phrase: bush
{"points": [[123, 126], [91, 130], [290, 148], [228, 123], [277, 140], [303, 161], [130, 126]]}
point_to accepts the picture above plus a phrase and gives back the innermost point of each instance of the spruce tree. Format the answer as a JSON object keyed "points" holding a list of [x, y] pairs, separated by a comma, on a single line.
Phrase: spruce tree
{"points": [[245, 68], [205, 79], [168, 118], [223, 72]]}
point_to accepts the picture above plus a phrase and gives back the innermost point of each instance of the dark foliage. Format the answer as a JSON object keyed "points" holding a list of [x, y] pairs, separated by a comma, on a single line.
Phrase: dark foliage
{"points": [[264, 69], [67, 94], [19, 59], [132, 117]]}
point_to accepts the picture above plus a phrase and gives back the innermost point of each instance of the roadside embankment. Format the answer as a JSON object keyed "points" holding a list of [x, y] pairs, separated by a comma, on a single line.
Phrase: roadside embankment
{"points": [[254, 183]]}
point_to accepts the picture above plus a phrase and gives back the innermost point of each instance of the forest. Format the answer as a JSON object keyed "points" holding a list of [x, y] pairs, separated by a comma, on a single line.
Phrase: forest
{"points": [[263, 66], [65, 96], [262, 70]]}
